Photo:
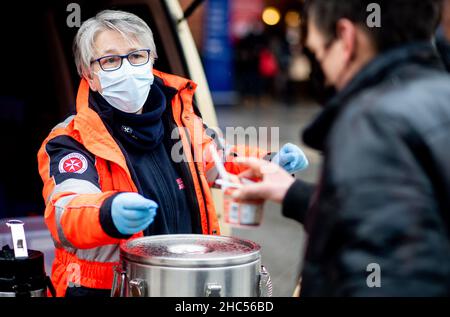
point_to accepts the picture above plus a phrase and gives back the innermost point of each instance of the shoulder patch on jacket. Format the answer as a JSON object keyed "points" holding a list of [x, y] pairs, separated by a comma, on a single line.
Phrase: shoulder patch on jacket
{"points": [[70, 159], [73, 163]]}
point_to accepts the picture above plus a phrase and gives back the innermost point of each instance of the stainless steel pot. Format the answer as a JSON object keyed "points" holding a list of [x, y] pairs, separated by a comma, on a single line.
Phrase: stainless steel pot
{"points": [[190, 266]]}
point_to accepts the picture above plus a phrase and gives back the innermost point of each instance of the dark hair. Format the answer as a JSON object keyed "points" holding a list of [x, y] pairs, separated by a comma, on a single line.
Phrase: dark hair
{"points": [[402, 21]]}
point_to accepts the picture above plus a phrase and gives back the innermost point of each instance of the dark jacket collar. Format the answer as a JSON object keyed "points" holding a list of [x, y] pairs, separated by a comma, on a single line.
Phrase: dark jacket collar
{"points": [[141, 132], [377, 70], [107, 112]]}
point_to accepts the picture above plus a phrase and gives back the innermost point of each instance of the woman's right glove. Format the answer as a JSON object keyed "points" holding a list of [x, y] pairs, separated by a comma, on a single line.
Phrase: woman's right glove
{"points": [[132, 213], [291, 158]]}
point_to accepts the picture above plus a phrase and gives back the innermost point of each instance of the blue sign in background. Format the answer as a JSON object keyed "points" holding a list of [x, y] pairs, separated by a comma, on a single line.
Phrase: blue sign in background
{"points": [[218, 51]]}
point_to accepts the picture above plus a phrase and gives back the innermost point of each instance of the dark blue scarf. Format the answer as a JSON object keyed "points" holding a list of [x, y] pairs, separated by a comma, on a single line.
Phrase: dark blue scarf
{"points": [[138, 131]]}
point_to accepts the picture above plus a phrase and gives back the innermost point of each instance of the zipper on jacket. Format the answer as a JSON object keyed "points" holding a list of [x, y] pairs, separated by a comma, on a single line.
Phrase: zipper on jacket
{"points": [[134, 180], [190, 190], [188, 86], [184, 169], [167, 195]]}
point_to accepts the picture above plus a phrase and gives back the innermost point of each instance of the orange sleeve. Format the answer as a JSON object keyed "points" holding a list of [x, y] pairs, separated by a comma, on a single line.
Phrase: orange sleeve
{"points": [[232, 152], [73, 201], [242, 151], [80, 221]]}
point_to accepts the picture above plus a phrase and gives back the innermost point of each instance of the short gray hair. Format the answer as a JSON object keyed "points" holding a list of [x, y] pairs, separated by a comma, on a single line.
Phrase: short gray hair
{"points": [[125, 23]]}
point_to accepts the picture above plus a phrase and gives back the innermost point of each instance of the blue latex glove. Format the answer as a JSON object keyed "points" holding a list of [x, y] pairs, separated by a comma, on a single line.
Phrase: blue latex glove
{"points": [[132, 213], [291, 158]]}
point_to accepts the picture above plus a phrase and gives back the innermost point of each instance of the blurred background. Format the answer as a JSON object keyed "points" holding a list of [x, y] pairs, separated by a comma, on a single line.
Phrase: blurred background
{"points": [[257, 70]]}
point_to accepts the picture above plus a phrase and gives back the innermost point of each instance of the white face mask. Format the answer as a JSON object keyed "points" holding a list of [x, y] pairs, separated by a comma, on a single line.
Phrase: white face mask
{"points": [[127, 88]]}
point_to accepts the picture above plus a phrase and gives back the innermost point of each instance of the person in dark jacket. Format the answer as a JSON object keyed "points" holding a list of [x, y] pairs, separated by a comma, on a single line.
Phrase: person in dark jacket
{"points": [[378, 220]]}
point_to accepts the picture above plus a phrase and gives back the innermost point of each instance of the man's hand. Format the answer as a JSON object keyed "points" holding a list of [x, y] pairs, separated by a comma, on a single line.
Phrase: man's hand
{"points": [[273, 185]]}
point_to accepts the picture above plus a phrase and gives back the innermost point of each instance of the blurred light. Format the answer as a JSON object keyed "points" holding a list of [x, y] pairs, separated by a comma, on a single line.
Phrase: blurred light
{"points": [[292, 19], [271, 16]]}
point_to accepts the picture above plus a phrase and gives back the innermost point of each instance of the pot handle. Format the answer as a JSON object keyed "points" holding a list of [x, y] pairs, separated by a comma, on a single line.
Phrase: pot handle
{"points": [[213, 290], [138, 288], [119, 282], [50, 286], [265, 283]]}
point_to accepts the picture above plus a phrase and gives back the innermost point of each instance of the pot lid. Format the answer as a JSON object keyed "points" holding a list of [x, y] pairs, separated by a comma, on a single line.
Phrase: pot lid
{"points": [[190, 250]]}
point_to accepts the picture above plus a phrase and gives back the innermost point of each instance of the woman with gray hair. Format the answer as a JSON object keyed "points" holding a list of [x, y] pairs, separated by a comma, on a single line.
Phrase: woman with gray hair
{"points": [[110, 171]]}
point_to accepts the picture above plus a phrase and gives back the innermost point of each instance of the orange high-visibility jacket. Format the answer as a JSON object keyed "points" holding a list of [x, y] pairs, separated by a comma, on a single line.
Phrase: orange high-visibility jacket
{"points": [[85, 254]]}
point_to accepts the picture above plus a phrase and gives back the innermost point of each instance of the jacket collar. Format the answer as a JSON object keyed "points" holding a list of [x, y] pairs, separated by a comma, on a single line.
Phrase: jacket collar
{"points": [[94, 134], [142, 132], [423, 53]]}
